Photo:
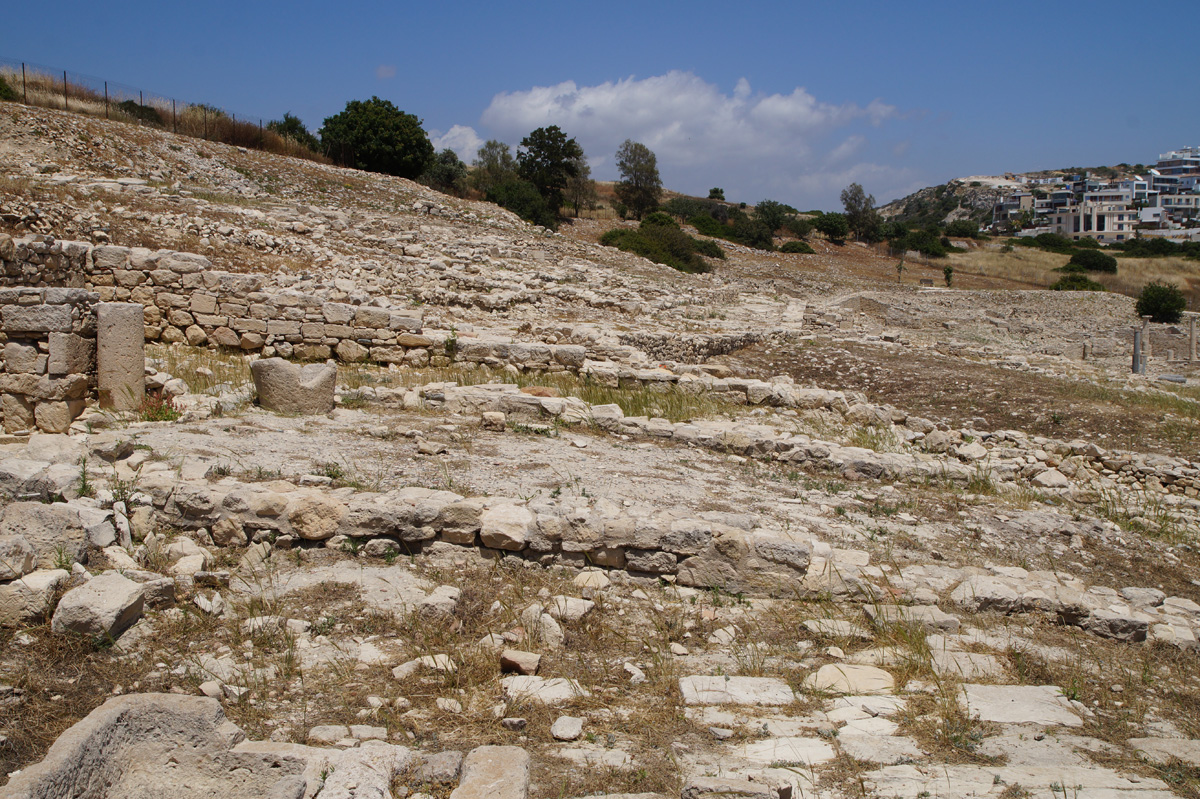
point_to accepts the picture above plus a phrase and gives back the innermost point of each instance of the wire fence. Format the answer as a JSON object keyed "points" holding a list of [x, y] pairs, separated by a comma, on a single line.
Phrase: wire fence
{"points": [[75, 92]]}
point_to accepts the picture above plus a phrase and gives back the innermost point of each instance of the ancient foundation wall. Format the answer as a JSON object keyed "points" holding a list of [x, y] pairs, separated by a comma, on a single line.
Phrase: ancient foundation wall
{"points": [[49, 356]]}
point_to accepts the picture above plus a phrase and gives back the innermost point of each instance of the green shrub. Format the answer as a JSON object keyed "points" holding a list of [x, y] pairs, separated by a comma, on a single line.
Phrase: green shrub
{"points": [[6, 92], [962, 229], [927, 242], [146, 114], [524, 200], [800, 228], [1054, 242], [1095, 261], [659, 219], [660, 239], [709, 249], [1077, 282], [1162, 302], [708, 226], [801, 247]]}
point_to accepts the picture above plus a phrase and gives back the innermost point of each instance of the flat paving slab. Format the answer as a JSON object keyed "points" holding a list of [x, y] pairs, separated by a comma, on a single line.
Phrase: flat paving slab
{"points": [[1021, 704], [703, 690]]}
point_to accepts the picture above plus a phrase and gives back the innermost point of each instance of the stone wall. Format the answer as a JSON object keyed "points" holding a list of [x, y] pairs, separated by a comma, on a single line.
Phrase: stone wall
{"points": [[49, 362]]}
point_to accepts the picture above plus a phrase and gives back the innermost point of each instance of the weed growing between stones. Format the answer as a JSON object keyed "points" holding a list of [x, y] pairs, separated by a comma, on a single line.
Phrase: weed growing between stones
{"points": [[159, 407]]}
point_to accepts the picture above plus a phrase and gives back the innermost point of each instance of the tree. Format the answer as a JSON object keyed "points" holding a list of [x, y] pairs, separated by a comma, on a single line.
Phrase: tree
{"points": [[1162, 302], [861, 216], [772, 214], [834, 226], [547, 159], [523, 199], [640, 186], [292, 127], [447, 173], [377, 136], [716, 193], [581, 189], [493, 165]]}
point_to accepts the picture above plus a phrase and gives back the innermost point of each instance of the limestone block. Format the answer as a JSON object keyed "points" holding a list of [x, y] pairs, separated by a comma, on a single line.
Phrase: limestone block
{"points": [[506, 527], [20, 357], [351, 351], [36, 318], [56, 417], [337, 313], [224, 337], [53, 530], [844, 678], [185, 263], [29, 598], [110, 257], [1044, 705], [288, 388], [314, 516], [16, 557], [120, 355], [370, 317], [494, 772], [104, 606], [71, 354], [17, 412], [650, 560]]}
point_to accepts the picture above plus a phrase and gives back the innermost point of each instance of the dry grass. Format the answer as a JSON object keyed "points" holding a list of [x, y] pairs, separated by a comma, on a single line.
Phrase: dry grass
{"points": [[1037, 268]]}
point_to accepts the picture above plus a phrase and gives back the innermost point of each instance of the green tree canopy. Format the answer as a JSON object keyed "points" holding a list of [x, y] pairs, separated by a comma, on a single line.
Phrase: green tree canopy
{"points": [[547, 158], [834, 226], [772, 214], [640, 186], [446, 173], [716, 193], [377, 136], [494, 164]]}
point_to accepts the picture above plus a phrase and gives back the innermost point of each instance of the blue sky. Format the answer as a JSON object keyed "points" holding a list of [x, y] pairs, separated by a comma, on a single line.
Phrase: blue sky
{"points": [[782, 100]]}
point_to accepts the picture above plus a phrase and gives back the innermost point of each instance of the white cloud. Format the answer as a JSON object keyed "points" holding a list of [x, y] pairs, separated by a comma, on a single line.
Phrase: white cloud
{"points": [[460, 138], [783, 146], [385, 71]]}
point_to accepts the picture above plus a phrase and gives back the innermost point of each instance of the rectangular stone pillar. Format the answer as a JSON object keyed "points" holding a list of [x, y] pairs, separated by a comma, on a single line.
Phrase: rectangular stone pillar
{"points": [[120, 355]]}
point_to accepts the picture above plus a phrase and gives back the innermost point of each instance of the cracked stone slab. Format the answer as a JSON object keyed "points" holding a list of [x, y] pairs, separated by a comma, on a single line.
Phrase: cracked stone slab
{"points": [[702, 690]]}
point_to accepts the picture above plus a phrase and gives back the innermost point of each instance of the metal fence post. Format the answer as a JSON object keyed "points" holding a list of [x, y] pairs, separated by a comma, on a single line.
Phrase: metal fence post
{"points": [[24, 87], [106, 99], [173, 128], [205, 109], [66, 100]]}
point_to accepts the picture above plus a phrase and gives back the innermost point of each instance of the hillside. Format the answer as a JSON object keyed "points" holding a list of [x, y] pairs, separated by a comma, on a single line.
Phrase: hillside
{"points": [[542, 514], [973, 197]]}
